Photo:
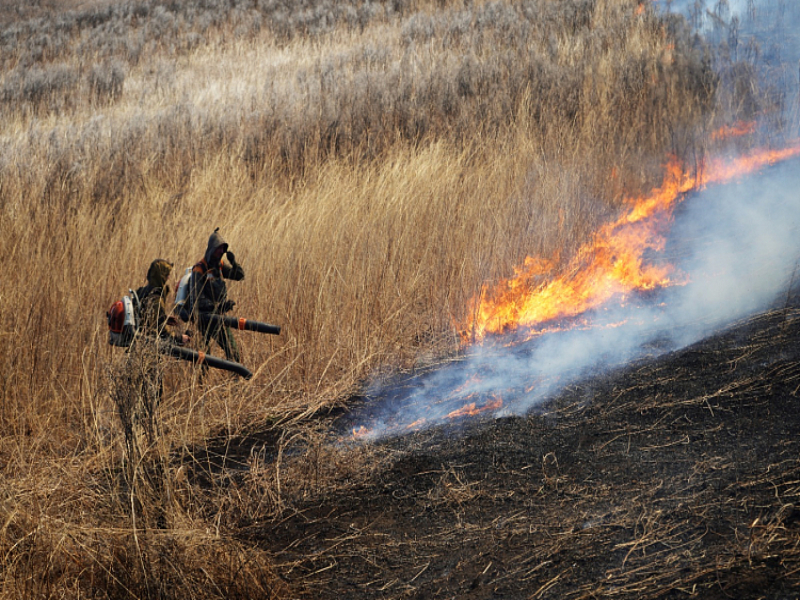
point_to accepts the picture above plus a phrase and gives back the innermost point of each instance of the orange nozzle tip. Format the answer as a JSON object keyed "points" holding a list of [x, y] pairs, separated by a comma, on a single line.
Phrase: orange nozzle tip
{"points": [[242, 323]]}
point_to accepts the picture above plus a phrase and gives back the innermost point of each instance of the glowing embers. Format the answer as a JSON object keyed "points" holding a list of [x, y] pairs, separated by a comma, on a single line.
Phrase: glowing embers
{"points": [[361, 433], [444, 396], [613, 265]]}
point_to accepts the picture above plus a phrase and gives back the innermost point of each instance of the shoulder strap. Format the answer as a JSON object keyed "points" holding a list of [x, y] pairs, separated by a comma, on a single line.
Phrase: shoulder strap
{"points": [[137, 303], [200, 267]]}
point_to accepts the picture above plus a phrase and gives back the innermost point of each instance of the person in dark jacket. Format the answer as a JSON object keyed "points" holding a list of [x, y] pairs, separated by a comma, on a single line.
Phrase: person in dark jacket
{"points": [[139, 385], [155, 318], [208, 293]]}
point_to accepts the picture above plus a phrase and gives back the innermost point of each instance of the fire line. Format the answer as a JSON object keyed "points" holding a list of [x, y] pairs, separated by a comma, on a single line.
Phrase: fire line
{"points": [[612, 264], [539, 299]]}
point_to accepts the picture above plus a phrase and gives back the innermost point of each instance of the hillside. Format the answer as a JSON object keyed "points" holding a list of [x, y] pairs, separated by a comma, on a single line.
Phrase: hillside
{"points": [[380, 168]]}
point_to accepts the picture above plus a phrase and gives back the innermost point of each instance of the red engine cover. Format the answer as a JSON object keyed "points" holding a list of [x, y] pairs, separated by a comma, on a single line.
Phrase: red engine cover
{"points": [[116, 316]]}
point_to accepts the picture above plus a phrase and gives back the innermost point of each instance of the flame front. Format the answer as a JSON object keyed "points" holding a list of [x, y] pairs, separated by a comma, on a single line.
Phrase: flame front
{"points": [[612, 265], [543, 296]]}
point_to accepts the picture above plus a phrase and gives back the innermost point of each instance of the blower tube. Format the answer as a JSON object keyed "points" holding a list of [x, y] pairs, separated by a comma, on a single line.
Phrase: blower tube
{"points": [[239, 323], [211, 361]]}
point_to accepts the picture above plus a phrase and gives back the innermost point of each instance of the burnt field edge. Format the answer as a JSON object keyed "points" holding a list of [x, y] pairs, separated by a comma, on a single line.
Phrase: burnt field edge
{"points": [[671, 477]]}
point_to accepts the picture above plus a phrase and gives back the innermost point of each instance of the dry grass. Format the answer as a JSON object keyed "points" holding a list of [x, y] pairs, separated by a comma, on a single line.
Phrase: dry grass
{"points": [[372, 167]]}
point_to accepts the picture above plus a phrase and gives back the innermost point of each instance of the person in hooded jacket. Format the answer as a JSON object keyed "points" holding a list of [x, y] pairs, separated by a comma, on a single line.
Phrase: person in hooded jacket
{"points": [[155, 318], [140, 386], [208, 293]]}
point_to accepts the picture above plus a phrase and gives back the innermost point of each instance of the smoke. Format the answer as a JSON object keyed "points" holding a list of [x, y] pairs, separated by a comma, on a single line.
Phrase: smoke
{"points": [[762, 33], [737, 246], [704, 13], [744, 247]]}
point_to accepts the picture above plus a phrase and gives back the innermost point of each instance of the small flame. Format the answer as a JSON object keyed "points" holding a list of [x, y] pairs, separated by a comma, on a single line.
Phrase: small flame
{"points": [[361, 432], [612, 265], [471, 409], [736, 130]]}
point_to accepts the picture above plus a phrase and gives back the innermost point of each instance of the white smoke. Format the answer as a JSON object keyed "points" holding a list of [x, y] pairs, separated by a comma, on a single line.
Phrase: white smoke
{"points": [[749, 251], [764, 33], [739, 246], [707, 10]]}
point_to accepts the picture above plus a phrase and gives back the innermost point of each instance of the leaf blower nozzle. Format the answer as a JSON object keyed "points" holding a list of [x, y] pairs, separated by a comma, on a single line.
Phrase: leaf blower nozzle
{"points": [[215, 362], [239, 323]]}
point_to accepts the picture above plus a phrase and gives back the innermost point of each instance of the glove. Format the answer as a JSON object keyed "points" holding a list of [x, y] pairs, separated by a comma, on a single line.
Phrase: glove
{"points": [[227, 306], [231, 257]]}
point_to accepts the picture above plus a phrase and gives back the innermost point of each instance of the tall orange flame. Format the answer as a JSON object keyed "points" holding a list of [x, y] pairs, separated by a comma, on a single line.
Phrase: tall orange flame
{"points": [[613, 264]]}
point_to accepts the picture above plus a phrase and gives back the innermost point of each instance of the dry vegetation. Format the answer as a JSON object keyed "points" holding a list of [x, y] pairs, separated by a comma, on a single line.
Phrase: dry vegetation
{"points": [[372, 164]]}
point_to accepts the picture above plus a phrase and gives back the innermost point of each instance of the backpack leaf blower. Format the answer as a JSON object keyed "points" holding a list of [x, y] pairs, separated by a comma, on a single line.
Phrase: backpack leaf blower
{"points": [[239, 323], [123, 327]]}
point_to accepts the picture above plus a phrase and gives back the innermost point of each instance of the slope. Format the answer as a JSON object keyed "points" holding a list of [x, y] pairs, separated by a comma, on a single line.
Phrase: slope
{"points": [[675, 477]]}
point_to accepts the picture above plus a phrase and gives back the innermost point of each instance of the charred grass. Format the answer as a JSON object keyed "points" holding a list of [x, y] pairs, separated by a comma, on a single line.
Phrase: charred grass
{"points": [[670, 479], [373, 166]]}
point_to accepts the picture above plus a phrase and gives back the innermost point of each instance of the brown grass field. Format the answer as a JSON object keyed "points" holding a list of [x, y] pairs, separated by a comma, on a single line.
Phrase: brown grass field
{"points": [[373, 165]]}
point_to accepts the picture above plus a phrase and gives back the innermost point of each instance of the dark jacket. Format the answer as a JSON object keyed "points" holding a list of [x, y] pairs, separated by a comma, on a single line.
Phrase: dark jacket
{"points": [[207, 289], [153, 311]]}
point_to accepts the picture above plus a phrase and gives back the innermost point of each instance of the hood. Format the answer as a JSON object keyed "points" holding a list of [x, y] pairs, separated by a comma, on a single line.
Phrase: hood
{"points": [[214, 242], [158, 273]]}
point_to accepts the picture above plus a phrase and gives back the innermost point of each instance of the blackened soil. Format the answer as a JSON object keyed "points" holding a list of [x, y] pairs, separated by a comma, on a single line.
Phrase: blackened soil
{"points": [[674, 478]]}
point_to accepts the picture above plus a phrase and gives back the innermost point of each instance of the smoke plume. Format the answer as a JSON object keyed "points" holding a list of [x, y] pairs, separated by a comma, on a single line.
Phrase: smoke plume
{"points": [[762, 33], [735, 249]]}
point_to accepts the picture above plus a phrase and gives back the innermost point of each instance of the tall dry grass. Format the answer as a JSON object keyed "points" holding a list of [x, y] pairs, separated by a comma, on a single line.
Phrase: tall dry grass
{"points": [[372, 165]]}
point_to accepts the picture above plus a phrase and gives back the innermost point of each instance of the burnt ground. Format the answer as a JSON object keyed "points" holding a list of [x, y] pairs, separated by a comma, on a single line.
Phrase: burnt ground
{"points": [[678, 477]]}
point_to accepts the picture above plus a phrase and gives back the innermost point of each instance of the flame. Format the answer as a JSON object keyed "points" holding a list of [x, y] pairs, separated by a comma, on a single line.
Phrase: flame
{"points": [[736, 130], [612, 264], [361, 432], [471, 409], [460, 390]]}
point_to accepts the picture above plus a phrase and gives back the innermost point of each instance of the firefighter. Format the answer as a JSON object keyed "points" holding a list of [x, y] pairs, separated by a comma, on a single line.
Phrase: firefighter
{"points": [[208, 293], [155, 319], [139, 383]]}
